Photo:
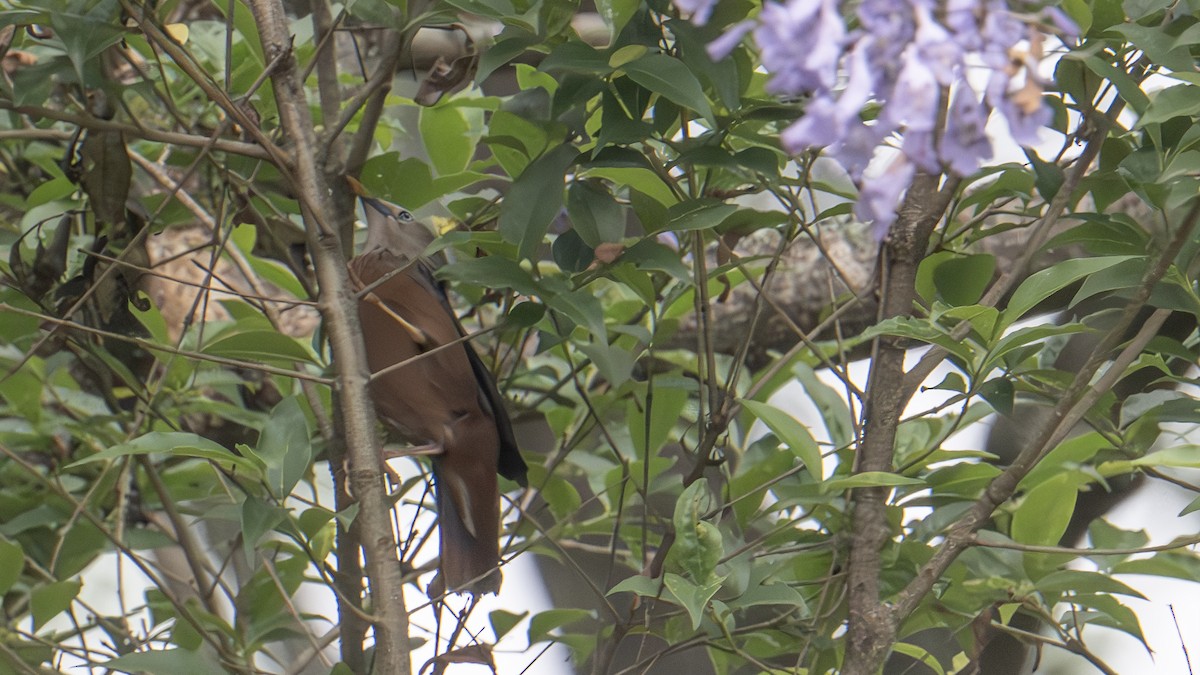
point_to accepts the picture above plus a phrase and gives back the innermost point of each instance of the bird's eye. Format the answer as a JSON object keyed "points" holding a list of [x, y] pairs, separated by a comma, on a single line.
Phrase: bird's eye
{"points": [[404, 216]]}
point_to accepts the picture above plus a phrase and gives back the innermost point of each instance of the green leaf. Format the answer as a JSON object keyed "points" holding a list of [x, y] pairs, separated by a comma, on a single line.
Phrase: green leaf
{"points": [[571, 253], [177, 444], [1084, 581], [615, 363], [260, 345], [408, 182], [22, 389], [167, 662], [919, 655], [693, 597], [698, 546], [257, 519], [595, 214], [543, 622], [638, 584], [244, 237], [1111, 613], [524, 314], [491, 271], [284, 448], [641, 180], [515, 141], [534, 199], [447, 136], [1042, 516], [792, 433], [504, 621], [664, 405], [699, 215], [772, 594], [577, 57], [868, 479], [616, 13], [47, 602], [670, 78], [1080, 13], [835, 414], [1182, 100], [54, 189], [495, 9], [1047, 282], [83, 38], [509, 44], [12, 562], [999, 393], [1048, 176], [1159, 46], [962, 280], [1123, 275], [1024, 336], [1180, 457], [923, 330]]}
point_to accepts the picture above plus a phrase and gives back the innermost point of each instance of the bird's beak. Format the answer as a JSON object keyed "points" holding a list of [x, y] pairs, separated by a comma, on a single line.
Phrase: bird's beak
{"points": [[372, 204]]}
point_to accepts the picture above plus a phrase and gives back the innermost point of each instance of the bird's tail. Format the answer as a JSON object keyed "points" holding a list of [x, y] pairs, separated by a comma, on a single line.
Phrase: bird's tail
{"points": [[468, 563]]}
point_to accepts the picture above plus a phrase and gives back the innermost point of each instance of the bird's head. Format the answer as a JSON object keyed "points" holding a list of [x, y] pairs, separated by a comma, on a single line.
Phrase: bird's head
{"points": [[391, 227]]}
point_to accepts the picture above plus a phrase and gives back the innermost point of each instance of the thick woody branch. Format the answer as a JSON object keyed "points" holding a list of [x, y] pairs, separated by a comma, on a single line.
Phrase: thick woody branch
{"points": [[872, 628], [365, 466]]}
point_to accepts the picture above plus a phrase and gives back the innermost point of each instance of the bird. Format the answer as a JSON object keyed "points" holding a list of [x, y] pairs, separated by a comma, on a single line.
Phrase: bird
{"points": [[446, 401]]}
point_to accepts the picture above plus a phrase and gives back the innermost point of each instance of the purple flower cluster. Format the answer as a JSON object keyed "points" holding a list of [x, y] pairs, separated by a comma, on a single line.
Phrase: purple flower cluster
{"points": [[904, 55]]}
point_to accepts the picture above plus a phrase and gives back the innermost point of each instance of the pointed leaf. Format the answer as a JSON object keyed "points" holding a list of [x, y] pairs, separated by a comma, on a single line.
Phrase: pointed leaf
{"points": [[534, 199], [47, 602], [792, 433], [669, 77]]}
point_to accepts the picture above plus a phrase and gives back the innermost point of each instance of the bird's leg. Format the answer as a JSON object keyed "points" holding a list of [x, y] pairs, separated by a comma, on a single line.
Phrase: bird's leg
{"points": [[426, 450]]}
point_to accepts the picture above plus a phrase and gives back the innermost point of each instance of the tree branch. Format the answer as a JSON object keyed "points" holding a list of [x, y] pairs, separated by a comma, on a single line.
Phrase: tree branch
{"points": [[872, 628], [365, 467]]}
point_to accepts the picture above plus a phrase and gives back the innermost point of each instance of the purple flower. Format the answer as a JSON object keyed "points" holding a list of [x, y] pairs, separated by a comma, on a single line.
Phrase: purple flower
{"points": [[965, 144], [940, 53], [801, 44], [1064, 24], [962, 18], [826, 120], [817, 128], [856, 148], [729, 40], [1001, 30], [918, 147], [697, 11], [914, 99], [1022, 108], [880, 195], [902, 59], [890, 25]]}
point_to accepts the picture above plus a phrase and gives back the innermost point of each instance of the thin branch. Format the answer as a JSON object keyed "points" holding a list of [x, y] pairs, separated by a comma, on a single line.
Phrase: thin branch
{"points": [[97, 124]]}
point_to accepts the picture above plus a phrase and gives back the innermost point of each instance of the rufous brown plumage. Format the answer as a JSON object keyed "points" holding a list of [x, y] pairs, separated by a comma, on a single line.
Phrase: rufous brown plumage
{"points": [[446, 401]]}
